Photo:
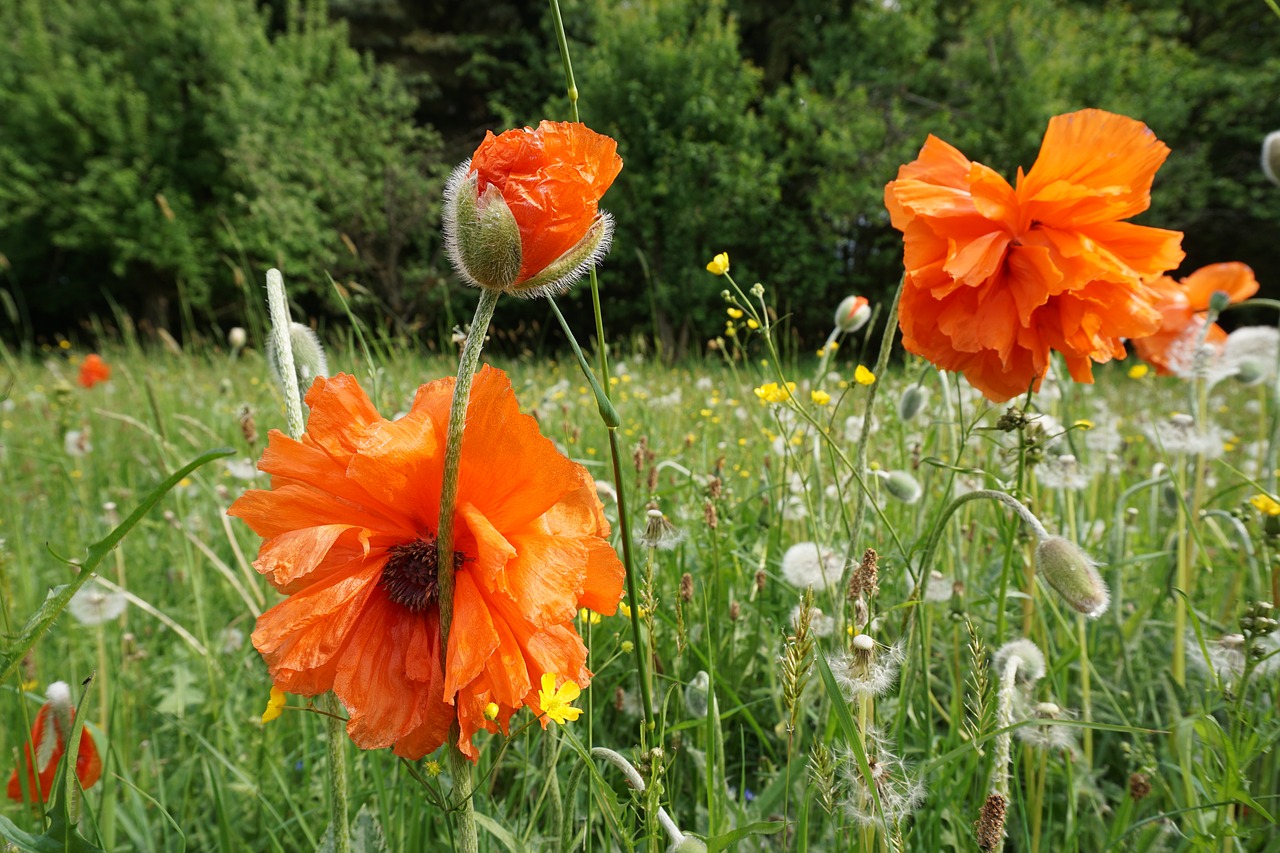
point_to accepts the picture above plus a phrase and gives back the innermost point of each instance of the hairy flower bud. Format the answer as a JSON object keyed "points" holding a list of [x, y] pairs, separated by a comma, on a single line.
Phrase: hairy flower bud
{"points": [[912, 401], [902, 486], [309, 360], [521, 215], [852, 314], [1271, 156], [1074, 576]]}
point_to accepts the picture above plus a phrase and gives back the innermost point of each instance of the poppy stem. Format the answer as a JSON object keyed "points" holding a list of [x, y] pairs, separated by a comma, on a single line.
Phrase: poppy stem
{"points": [[467, 364]]}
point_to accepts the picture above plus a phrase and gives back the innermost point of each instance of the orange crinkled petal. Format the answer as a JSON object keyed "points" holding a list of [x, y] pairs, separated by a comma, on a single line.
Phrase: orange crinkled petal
{"points": [[552, 178]]}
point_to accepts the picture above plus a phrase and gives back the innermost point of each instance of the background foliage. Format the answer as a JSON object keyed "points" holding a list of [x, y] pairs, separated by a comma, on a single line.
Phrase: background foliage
{"points": [[160, 155]]}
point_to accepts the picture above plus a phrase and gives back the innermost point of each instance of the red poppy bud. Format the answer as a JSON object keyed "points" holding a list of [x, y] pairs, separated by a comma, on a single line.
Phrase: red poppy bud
{"points": [[522, 216]]}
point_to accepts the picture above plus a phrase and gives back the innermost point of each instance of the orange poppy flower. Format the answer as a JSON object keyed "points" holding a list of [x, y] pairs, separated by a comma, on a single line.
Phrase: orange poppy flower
{"points": [[1182, 306], [94, 370], [49, 736], [999, 275], [522, 215], [350, 526]]}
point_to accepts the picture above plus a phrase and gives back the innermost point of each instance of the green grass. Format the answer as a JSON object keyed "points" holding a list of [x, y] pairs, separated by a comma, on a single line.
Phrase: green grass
{"points": [[189, 765]]}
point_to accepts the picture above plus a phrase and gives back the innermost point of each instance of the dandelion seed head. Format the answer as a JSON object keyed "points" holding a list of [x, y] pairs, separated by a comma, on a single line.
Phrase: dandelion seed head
{"points": [[806, 564], [869, 669], [94, 604]]}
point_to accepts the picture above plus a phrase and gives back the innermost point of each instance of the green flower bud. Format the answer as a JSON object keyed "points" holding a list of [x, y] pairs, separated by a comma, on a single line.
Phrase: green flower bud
{"points": [[1271, 157], [1249, 372], [912, 401], [1068, 569], [902, 486], [309, 360]]}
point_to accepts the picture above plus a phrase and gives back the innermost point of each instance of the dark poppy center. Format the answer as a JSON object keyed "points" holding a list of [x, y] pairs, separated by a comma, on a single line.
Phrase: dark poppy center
{"points": [[411, 576]]}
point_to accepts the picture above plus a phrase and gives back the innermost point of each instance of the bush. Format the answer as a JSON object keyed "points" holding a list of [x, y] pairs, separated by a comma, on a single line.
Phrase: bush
{"points": [[162, 148]]}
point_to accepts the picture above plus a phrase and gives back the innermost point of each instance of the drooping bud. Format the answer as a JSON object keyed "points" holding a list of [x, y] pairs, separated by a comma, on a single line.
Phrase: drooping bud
{"points": [[480, 232], [852, 314], [912, 401], [309, 360], [1271, 156], [1074, 576], [902, 486]]}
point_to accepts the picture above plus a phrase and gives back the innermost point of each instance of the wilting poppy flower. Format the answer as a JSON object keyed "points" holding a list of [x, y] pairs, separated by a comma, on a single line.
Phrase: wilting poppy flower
{"points": [[521, 216], [94, 370], [49, 736], [999, 275], [350, 525], [1182, 305]]}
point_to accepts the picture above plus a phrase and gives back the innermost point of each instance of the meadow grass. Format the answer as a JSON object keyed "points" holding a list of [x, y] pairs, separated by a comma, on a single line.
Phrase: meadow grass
{"points": [[776, 728]]}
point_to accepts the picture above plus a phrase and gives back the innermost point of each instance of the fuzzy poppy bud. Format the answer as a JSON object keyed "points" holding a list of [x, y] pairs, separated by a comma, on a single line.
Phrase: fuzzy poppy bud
{"points": [[902, 486], [1074, 576], [852, 314], [521, 215], [912, 401], [1271, 157], [309, 360], [1219, 301]]}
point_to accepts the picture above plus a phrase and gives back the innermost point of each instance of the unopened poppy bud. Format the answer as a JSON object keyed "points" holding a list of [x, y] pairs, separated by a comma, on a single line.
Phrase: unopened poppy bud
{"points": [[912, 401], [852, 313], [521, 215], [1074, 576], [902, 486], [1271, 157], [309, 360], [1249, 372]]}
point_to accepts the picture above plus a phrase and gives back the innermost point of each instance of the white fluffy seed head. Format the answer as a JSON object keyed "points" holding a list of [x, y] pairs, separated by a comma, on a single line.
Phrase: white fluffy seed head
{"points": [[807, 564]]}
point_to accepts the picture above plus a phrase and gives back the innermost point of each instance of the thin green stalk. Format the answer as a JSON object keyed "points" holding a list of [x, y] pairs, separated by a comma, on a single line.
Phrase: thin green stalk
{"points": [[467, 364], [610, 417], [602, 389]]}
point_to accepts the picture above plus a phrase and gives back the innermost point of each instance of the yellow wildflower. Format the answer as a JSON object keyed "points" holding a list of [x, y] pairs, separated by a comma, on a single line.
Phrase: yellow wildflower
{"points": [[555, 703], [1084, 423], [1265, 504], [863, 376], [719, 264], [589, 616], [275, 705], [752, 324], [771, 392], [735, 313], [821, 398], [1138, 371], [491, 711]]}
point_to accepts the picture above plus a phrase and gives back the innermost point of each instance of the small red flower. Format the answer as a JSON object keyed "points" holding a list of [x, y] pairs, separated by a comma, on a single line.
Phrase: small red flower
{"points": [[49, 738], [94, 370]]}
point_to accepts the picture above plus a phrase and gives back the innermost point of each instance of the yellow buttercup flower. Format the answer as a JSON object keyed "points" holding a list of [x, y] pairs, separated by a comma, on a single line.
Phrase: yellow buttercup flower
{"points": [[821, 398], [556, 703], [772, 392], [735, 313], [1265, 504], [1138, 371], [719, 265], [752, 324], [491, 711], [1084, 423], [589, 616], [863, 376], [275, 705]]}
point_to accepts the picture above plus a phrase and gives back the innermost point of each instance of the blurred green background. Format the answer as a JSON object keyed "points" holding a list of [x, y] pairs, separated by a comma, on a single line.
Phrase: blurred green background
{"points": [[157, 156]]}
